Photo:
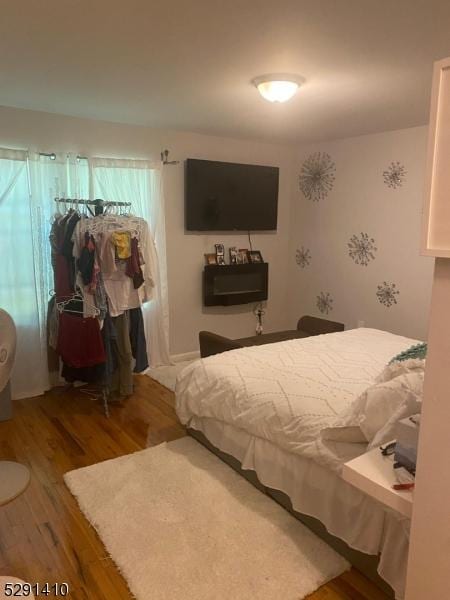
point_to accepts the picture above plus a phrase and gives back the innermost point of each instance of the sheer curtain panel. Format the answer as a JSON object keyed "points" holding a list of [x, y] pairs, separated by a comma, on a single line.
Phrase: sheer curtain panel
{"points": [[64, 176], [18, 289], [140, 183], [28, 187]]}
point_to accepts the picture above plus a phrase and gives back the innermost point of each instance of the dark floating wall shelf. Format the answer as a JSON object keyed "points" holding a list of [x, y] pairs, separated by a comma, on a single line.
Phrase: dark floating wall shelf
{"points": [[224, 285]]}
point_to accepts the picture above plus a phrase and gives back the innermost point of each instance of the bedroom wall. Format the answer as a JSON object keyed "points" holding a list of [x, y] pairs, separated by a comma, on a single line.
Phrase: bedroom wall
{"points": [[46, 132], [360, 205]]}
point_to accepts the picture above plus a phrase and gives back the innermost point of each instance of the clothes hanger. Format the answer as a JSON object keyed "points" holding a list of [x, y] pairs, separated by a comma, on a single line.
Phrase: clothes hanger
{"points": [[61, 306]]}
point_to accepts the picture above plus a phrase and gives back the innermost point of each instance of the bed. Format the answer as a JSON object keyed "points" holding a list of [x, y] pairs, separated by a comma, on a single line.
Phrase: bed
{"points": [[266, 406]]}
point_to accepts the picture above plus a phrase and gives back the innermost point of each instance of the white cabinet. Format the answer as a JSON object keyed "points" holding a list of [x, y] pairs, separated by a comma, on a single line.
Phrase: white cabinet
{"points": [[436, 217]]}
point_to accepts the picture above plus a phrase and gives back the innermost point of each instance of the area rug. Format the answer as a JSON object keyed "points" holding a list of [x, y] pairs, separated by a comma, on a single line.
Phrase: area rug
{"points": [[182, 525], [167, 376]]}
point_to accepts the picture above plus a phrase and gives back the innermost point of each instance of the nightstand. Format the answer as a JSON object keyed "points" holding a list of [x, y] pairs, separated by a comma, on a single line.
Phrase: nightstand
{"points": [[373, 474]]}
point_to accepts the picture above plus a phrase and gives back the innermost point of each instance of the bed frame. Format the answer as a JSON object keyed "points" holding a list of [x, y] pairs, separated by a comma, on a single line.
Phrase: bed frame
{"points": [[365, 563]]}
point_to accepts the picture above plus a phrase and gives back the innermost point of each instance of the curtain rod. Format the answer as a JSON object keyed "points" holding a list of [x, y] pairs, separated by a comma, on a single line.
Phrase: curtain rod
{"points": [[52, 156], [164, 157]]}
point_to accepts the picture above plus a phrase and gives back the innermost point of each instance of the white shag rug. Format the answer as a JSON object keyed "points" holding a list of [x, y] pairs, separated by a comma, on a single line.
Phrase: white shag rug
{"points": [[167, 376], [182, 525]]}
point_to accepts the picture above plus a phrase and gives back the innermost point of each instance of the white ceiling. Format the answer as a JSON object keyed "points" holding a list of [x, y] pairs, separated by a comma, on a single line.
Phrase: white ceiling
{"points": [[187, 64]]}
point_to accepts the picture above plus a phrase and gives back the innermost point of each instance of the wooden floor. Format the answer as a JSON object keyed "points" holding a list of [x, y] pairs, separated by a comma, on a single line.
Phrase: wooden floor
{"points": [[43, 535]]}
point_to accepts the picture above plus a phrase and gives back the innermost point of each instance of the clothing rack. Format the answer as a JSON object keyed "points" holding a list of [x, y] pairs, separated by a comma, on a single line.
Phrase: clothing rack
{"points": [[98, 203]]}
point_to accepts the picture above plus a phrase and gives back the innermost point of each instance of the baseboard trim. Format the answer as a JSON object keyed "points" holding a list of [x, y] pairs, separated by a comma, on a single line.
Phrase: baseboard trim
{"points": [[185, 356]]}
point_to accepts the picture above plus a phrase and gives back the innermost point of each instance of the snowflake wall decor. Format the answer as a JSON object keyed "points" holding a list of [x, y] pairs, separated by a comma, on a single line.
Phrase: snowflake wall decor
{"points": [[317, 176], [386, 293], [361, 249], [324, 302], [303, 257], [395, 174]]}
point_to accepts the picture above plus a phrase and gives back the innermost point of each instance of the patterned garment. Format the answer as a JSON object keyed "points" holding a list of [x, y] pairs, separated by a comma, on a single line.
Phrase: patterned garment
{"points": [[417, 351]]}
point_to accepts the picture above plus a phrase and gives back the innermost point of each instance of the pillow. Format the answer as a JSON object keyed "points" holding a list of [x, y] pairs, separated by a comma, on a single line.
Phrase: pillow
{"points": [[411, 405], [393, 369], [373, 415]]}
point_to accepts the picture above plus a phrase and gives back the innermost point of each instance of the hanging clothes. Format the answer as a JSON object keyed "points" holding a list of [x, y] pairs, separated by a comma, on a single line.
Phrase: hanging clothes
{"points": [[103, 268], [122, 377], [79, 341], [125, 251], [137, 340], [122, 243]]}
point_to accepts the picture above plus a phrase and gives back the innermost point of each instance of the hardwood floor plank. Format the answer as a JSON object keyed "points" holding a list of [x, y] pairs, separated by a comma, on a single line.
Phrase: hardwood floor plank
{"points": [[43, 534]]}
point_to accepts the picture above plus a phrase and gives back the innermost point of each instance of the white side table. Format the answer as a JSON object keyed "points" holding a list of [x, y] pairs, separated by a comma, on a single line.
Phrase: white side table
{"points": [[373, 474], [14, 479]]}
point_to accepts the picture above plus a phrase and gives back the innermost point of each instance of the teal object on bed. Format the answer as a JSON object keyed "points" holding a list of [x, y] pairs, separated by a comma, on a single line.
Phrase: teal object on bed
{"points": [[417, 351]]}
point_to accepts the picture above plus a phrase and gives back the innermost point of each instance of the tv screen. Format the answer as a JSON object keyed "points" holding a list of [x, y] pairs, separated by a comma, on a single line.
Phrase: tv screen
{"points": [[222, 196]]}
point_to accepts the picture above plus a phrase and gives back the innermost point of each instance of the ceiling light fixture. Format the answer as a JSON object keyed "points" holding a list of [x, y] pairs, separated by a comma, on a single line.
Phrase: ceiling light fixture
{"points": [[277, 87]]}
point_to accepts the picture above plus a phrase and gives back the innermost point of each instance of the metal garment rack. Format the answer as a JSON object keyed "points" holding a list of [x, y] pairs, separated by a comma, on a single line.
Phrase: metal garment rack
{"points": [[98, 203], [99, 206]]}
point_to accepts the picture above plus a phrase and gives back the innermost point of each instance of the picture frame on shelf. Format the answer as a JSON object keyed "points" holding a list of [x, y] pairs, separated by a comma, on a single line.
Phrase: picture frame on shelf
{"points": [[255, 256], [211, 258], [220, 254], [233, 255], [243, 256]]}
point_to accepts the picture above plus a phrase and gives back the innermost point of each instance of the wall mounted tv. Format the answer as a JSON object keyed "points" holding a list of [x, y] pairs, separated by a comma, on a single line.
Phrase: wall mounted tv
{"points": [[222, 196]]}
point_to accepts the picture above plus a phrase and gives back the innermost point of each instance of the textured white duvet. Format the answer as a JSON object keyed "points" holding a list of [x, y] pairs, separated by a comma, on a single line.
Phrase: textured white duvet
{"points": [[288, 391]]}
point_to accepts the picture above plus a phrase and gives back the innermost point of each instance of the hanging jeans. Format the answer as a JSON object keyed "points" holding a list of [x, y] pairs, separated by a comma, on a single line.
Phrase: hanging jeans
{"points": [[137, 339], [122, 378]]}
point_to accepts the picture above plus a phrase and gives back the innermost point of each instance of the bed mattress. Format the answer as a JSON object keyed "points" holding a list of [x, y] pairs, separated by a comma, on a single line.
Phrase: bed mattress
{"points": [[288, 391]]}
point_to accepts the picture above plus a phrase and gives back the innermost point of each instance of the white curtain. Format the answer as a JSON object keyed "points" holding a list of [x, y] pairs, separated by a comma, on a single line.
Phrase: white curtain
{"points": [[140, 183], [28, 187], [17, 288], [55, 176]]}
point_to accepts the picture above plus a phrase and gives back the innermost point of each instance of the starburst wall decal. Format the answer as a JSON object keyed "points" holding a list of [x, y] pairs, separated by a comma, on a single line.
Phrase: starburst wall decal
{"points": [[395, 174], [324, 302], [303, 257], [386, 294], [317, 176], [361, 249]]}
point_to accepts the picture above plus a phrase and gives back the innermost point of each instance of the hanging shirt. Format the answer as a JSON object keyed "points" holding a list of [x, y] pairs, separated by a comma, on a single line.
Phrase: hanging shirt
{"points": [[121, 292], [120, 286], [122, 243]]}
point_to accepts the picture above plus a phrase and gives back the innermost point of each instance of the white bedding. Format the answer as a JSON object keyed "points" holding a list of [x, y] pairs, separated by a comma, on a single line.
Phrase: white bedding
{"points": [[287, 392], [314, 490], [266, 405]]}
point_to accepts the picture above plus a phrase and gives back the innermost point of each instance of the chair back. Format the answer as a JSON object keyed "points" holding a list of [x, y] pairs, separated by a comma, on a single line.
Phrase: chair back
{"points": [[317, 326]]}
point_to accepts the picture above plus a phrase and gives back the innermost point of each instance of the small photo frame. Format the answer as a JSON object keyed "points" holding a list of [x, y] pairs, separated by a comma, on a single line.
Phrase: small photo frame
{"points": [[220, 254], [243, 256], [255, 256], [233, 255], [211, 258]]}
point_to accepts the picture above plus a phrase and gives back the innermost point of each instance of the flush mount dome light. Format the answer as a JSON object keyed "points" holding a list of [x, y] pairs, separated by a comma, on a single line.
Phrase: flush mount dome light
{"points": [[278, 87]]}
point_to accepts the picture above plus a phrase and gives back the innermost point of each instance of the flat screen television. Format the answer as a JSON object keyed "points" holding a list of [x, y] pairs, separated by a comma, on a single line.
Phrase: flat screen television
{"points": [[222, 196]]}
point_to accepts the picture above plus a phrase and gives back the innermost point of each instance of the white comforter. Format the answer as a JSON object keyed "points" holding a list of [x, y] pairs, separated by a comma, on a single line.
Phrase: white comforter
{"points": [[288, 391]]}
